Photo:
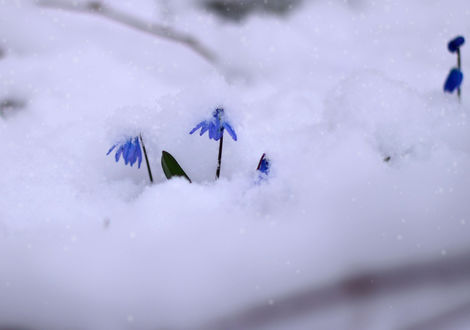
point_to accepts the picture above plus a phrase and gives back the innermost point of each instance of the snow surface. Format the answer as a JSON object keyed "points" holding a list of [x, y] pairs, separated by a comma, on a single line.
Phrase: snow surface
{"points": [[328, 93]]}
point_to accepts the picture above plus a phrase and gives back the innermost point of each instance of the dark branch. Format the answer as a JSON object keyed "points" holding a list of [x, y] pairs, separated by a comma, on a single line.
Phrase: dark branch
{"points": [[351, 289], [97, 8]]}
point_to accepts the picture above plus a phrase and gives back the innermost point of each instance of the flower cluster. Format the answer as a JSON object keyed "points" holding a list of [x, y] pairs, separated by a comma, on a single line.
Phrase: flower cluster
{"points": [[215, 125], [130, 151]]}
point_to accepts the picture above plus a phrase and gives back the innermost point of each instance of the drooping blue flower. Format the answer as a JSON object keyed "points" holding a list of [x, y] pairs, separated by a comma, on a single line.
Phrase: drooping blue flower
{"points": [[263, 169], [130, 151], [216, 126], [455, 44], [264, 165], [453, 81]]}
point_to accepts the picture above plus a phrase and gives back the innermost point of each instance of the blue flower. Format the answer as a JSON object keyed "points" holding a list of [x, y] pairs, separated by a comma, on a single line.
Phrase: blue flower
{"points": [[264, 165], [455, 44], [453, 81], [263, 169], [216, 126], [130, 151]]}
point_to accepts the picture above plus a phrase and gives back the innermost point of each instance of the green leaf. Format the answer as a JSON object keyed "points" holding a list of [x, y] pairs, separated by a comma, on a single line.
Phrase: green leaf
{"points": [[171, 167]]}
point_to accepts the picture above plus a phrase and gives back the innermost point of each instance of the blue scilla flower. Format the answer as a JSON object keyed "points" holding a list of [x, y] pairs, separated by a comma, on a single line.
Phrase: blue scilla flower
{"points": [[130, 151], [453, 81], [264, 165], [455, 44], [215, 126], [263, 169]]}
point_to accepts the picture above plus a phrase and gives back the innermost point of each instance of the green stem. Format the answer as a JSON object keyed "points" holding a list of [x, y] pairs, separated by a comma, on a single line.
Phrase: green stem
{"points": [[219, 158], [459, 66], [146, 159]]}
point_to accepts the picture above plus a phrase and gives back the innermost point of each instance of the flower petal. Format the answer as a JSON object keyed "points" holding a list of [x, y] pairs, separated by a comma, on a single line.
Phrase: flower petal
{"points": [[218, 133], [119, 152], [139, 154], [211, 131], [230, 131], [197, 127], [204, 128], [133, 153], [453, 81], [126, 152], [455, 44], [217, 121], [111, 149]]}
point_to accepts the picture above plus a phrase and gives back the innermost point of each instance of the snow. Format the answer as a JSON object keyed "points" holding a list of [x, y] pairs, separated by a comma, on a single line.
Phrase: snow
{"points": [[327, 92]]}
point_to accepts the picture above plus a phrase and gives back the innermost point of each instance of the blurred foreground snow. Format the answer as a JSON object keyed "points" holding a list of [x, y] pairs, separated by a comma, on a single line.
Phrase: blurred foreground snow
{"points": [[328, 92]]}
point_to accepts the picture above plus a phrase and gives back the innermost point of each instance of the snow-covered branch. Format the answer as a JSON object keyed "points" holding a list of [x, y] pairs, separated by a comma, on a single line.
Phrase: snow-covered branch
{"points": [[161, 31]]}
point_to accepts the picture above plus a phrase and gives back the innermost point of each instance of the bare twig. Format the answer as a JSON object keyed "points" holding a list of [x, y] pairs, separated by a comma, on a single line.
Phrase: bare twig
{"points": [[97, 8], [11, 105], [351, 289]]}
